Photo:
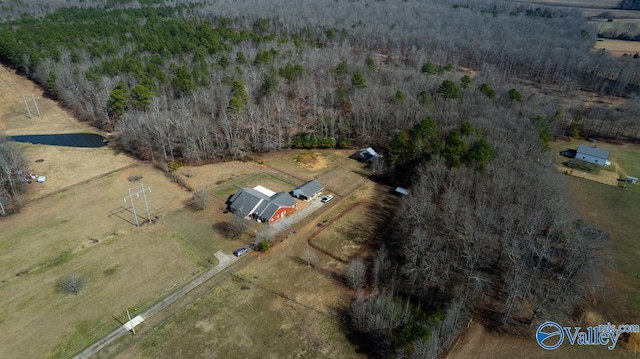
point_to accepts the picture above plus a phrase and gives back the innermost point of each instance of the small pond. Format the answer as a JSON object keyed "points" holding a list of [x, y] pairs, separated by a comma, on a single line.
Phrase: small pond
{"points": [[64, 139]]}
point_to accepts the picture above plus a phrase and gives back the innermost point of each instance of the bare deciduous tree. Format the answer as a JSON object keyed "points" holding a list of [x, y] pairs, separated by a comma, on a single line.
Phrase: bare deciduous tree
{"points": [[198, 200], [311, 258], [355, 273]]}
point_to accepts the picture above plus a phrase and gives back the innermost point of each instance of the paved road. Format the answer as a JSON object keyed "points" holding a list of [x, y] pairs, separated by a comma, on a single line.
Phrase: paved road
{"points": [[224, 260]]}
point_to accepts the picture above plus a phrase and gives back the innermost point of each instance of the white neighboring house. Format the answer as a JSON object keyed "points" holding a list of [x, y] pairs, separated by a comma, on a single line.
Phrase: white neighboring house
{"points": [[593, 155]]}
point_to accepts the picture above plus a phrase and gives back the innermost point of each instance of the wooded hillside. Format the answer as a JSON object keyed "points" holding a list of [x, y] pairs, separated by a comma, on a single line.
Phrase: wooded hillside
{"points": [[204, 81]]}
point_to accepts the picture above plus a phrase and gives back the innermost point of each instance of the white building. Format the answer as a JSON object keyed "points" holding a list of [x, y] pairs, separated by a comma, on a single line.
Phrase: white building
{"points": [[593, 155]]}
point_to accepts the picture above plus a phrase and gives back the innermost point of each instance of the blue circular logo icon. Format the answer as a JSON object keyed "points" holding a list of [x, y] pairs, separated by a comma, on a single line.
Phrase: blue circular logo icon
{"points": [[549, 335]]}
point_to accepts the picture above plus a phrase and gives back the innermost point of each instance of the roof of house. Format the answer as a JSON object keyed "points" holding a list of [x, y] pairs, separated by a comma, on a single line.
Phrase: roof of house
{"points": [[251, 201], [367, 154], [593, 151], [264, 190], [309, 188]]}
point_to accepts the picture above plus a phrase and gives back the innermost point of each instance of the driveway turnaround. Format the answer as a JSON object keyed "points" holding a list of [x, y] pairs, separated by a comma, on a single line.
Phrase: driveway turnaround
{"points": [[224, 260]]}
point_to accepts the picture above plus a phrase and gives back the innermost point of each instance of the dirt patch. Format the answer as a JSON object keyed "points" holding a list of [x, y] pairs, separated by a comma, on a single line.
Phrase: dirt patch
{"points": [[215, 175], [313, 161]]}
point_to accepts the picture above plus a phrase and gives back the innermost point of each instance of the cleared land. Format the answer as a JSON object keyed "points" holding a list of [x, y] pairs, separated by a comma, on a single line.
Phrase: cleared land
{"points": [[624, 162], [598, 4], [619, 47], [276, 305], [86, 231], [345, 235]]}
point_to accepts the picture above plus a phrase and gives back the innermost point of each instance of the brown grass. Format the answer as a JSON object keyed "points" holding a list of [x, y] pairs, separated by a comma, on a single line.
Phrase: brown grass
{"points": [[84, 230], [345, 235], [619, 47]]}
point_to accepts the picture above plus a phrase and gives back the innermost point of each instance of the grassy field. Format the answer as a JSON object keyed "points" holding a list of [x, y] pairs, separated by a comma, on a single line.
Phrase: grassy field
{"points": [[619, 47], [615, 211], [86, 231], [275, 306], [348, 232]]}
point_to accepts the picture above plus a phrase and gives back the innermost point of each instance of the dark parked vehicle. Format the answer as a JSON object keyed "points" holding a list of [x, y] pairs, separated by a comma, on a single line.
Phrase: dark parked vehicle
{"points": [[568, 153]]}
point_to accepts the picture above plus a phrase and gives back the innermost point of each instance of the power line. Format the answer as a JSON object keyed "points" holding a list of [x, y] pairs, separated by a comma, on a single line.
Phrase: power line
{"points": [[136, 191], [35, 104], [26, 104]]}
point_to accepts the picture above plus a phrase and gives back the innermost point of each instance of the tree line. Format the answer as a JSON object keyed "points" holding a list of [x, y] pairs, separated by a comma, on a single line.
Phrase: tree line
{"points": [[200, 81], [13, 176]]}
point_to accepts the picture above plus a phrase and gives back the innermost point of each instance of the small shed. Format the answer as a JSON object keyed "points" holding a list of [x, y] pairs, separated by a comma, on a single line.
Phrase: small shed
{"points": [[593, 155], [633, 180], [401, 191], [308, 190]]}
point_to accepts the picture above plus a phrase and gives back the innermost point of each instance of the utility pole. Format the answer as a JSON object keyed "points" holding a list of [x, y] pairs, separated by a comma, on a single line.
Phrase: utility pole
{"points": [[136, 191], [133, 329], [35, 104], [26, 104]]}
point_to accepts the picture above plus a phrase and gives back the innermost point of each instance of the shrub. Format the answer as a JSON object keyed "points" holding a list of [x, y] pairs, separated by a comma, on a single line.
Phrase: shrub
{"points": [[135, 177], [198, 201], [72, 284], [583, 166], [264, 245]]}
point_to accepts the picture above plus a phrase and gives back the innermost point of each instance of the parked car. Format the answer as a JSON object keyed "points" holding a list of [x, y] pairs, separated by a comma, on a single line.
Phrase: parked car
{"points": [[326, 198], [240, 252], [568, 153]]}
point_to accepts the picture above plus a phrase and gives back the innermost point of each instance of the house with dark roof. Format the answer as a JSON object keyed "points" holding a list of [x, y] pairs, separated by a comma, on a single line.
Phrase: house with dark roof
{"points": [[593, 155], [261, 204], [366, 155], [308, 190]]}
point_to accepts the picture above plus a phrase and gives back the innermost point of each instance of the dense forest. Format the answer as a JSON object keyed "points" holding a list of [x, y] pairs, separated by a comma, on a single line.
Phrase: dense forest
{"points": [[461, 97]]}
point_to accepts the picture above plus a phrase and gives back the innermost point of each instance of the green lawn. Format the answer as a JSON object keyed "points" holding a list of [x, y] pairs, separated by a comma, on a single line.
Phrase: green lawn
{"points": [[616, 211], [629, 160]]}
